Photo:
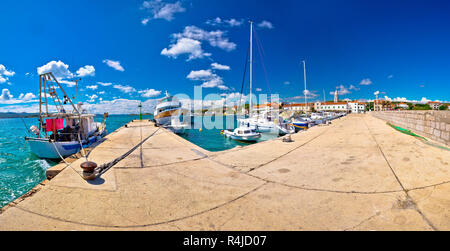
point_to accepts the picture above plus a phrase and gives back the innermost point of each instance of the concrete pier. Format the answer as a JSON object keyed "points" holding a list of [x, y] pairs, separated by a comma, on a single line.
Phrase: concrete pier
{"points": [[356, 174]]}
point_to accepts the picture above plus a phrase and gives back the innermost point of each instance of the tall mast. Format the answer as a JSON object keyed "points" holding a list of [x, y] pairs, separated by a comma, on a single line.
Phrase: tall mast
{"points": [[304, 76], [251, 66]]}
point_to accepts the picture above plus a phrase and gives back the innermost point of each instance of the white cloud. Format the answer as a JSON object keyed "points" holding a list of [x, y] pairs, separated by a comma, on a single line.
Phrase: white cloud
{"points": [[210, 79], [376, 93], [287, 83], [87, 70], [92, 98], [6, 95], [121, 106], [215, 21], [114, 64], [92, 87], [342, 90], [424, 100], [101, 93], [3, 79], [230, 22], [125, 88], [59, 69], [144, 21], [366, 81], [390, 76], [265, 24], [104, 84], [27, 97], [5, 74], [352, 87], [258, 89], [200, 75], [217, 66], [185, 46], [233, 22], [149, 93], [161, 10], [215, 38], [68, 83], [7, 98]]}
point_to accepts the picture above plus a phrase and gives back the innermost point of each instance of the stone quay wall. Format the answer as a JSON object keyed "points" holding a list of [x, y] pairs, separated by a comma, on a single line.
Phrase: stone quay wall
{"points": [[434, 125]]}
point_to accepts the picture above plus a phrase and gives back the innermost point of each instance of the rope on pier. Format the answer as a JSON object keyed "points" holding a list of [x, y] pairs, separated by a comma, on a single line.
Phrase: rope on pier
{"points": [[105, 167]]}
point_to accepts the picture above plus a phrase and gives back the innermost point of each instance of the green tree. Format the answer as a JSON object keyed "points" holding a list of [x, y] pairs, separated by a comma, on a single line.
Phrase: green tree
{"points": [[443, 107]]}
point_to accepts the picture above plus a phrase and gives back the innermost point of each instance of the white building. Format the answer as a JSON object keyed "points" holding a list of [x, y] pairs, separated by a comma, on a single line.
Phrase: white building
{"points": [[334, 107], [434, 105], [357, 107], [299, 107]]}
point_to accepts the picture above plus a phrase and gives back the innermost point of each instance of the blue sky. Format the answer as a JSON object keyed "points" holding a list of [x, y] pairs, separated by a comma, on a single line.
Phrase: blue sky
{"points": [[143, 48]]}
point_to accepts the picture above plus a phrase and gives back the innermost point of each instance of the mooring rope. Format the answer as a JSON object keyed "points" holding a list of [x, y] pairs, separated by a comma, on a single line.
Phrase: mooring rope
{"points": [[63, 159], [105, 167]]}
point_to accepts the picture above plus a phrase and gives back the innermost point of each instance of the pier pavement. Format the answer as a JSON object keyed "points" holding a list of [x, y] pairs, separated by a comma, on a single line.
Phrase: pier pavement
{"points": [[356, 174]]}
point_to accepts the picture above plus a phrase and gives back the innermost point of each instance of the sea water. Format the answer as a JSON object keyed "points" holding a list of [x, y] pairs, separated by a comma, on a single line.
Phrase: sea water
{"points": [[206, 133], [21, 170]]}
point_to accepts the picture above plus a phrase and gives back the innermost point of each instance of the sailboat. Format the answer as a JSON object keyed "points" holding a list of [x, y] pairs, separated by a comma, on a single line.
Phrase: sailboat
{"points": [[62, 133], [267, 121], [245, 131]]}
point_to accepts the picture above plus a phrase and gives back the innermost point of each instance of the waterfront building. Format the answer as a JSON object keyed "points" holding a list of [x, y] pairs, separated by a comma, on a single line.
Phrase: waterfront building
{"points": [[434, 105], [402, 106], [339, 106], [357, 107], [299, 107]]}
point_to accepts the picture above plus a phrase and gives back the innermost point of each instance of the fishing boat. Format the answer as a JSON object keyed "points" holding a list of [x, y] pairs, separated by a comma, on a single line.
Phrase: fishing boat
{"points": [[62, 133], [168, 113]]}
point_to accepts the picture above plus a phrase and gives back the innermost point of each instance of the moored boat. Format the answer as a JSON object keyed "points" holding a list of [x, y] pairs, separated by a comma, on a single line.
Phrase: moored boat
{"points": [[168, 113], [61, 133], [243, 133]]}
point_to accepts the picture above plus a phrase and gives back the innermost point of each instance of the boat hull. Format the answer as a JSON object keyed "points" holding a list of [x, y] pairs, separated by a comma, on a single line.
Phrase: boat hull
{"points": [[246, 138], [45, 149]]}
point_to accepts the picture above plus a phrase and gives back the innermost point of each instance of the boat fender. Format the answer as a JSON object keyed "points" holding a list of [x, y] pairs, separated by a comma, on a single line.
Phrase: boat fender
{"points": [[200, 129]]}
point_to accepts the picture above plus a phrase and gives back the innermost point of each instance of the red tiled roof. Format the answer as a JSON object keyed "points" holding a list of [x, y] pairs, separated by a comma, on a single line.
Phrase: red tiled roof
{"points": [[333, 103], [299, 104]]}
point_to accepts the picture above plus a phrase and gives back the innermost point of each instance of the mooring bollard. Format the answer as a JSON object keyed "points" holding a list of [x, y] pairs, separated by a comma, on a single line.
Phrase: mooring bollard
{"points": [[288, 139], [88, 170]]}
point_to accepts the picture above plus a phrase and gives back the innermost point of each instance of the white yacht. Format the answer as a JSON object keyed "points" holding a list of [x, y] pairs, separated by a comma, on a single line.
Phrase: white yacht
{"points": [[244, 132], [168, 112]]}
